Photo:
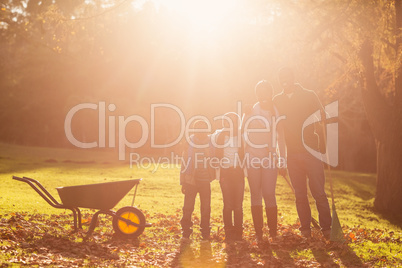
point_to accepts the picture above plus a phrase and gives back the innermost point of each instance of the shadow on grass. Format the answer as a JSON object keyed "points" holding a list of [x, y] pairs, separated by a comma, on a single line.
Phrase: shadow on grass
{"points": [[185, 257], [323, 257], [285, 258], [362, 185], [345, 254], [236, 256], [395, 219], [10, 166], [279, 255], [58, 245], [349, 258]]}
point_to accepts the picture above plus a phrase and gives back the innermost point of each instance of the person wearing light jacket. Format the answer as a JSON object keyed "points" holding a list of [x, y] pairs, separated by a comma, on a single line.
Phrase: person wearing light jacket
{"points": [[228, 148], [262, 140]]}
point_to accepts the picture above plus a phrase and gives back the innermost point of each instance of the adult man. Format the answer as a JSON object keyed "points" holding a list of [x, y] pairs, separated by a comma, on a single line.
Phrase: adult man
{"points": [[297, 104]]}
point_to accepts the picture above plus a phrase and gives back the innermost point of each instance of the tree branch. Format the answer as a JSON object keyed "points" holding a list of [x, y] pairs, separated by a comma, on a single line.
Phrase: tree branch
{"points": [[378, 111]]}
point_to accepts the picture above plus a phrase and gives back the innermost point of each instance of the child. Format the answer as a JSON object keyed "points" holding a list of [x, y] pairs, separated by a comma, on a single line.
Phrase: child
{"points": [[229, 151], [195, 177]]}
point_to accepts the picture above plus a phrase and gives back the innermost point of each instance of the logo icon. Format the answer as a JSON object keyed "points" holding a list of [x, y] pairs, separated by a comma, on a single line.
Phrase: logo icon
{"points": [[330, 156]]}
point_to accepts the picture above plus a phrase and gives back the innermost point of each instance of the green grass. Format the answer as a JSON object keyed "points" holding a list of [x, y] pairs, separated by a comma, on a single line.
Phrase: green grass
{"points": [[159, 193]]}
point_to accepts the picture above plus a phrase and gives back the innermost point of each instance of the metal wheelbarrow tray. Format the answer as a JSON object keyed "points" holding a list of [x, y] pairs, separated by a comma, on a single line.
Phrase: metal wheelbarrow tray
{"points": [[128, 221]]}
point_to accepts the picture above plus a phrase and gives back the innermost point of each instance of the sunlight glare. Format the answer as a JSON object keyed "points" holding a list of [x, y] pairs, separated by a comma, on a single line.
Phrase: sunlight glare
{"points": [[203, 15]]}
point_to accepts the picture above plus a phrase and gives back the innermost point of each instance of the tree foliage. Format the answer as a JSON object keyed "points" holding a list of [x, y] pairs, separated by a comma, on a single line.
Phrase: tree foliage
{"points": [[366, 37], [57, 54]]}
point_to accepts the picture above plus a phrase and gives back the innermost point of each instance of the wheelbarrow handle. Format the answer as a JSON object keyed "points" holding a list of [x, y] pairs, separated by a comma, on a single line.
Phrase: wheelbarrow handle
{"points": [[41, 190], [50, 199]]}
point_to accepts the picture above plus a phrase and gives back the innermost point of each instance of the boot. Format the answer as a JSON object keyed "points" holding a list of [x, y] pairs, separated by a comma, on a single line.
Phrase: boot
{"points": [[258, 221], [229, 235], [272, 218], [238, 234]]}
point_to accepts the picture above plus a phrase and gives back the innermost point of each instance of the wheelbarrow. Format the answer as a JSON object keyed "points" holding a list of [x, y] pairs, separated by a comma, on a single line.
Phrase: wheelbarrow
{"points": [[128, 222]]}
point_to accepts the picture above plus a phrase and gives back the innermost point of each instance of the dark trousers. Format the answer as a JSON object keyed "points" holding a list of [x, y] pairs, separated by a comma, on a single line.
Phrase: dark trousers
{"points": [[203, 188], [232, 186], [302, 166]]}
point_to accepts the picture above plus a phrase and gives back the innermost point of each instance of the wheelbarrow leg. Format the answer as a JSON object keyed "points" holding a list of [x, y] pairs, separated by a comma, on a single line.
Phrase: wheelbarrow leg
{"points": [[75, 218], [94, 221], [79, 218]]}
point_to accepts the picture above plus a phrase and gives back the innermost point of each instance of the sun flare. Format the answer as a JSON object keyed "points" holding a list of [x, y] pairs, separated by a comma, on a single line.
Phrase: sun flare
{"points": [[201, 15]]}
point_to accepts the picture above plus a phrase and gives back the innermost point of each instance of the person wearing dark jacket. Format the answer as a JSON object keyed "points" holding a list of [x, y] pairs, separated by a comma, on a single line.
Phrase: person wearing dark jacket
{"points": [[195, 178], [297, 104]]}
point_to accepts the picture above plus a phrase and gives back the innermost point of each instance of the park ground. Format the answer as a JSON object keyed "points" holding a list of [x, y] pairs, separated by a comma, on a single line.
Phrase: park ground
{"points": [[32, 233]]}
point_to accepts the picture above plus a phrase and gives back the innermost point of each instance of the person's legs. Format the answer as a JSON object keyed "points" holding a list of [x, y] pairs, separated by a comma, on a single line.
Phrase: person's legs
{"points": [[272, 220], [268, 185], [226, 184], [238, 193], [204, 188], [316, 176], [254, 181], [188, 208], [297, 174]]}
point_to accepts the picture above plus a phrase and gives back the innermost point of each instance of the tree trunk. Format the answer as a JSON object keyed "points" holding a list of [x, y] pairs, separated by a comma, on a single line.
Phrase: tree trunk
{"points": [[388, 198], [386, 123]]}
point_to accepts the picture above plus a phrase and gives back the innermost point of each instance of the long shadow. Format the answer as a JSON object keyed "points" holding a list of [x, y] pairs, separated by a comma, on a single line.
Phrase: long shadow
{"points": [[10, 165], [347, 256], [284, 256], [395, 219], [319, 248], [185, 256], [70, 249], [350, 259], [30, 162], [239, 254], [322, 256], [363, 185]]}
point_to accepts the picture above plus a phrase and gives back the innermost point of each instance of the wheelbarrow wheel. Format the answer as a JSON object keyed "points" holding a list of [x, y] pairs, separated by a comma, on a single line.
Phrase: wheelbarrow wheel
{"points": [[125, 229]]}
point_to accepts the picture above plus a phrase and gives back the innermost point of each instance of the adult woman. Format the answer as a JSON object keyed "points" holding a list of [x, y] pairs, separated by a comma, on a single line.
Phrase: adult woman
{"points": [[261, 140]]}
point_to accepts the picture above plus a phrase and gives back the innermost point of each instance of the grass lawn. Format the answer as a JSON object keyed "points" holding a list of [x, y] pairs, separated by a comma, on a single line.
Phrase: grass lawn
{"points": [[34, 233]]}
